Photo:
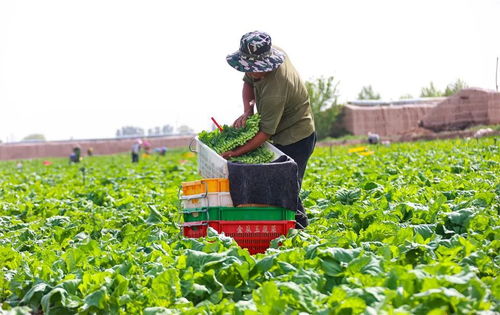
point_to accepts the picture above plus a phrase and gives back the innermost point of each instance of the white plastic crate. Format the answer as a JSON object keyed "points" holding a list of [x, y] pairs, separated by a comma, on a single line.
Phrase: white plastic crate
{"points": [[212, 165], [217, 199]]}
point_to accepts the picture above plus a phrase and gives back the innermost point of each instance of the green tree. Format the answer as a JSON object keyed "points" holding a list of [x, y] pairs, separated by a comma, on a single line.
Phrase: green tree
{"points": [[430, 91], [405, 97], [35, 137], [367, 93], [455, 87], [326, 110]]}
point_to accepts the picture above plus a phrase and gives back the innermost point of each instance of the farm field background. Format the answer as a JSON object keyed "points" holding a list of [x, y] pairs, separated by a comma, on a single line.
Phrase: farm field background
{"points": [[411, 228]]}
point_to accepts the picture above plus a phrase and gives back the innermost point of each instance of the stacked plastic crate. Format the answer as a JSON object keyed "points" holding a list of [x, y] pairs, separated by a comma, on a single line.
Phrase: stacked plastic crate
{"points": [[207, 203]]}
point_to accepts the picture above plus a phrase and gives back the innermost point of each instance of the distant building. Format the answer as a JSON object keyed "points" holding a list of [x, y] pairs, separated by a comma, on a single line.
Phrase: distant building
{"points": [[469, 107], [386, 118]]}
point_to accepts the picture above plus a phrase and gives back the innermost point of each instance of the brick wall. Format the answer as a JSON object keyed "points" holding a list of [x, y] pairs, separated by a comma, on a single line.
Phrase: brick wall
{"points": [[493, 108], [469, 107], [13, 151], [466, 108], [383, 120]]}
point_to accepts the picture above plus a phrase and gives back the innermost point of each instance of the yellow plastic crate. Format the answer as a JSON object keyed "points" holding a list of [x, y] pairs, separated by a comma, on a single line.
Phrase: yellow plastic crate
{"points": [[206, 185]]}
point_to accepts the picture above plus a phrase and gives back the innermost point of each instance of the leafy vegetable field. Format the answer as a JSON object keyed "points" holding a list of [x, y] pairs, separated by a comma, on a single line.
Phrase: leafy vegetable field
{"points": [[411, 229]]}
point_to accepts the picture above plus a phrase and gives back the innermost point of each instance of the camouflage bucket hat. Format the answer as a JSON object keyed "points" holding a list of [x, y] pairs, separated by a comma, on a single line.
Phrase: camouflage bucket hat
{"points": [[256, 54]]}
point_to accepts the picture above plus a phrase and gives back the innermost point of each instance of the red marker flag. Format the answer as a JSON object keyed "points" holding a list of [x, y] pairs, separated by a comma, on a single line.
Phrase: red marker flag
{"points": [[218, 126]]}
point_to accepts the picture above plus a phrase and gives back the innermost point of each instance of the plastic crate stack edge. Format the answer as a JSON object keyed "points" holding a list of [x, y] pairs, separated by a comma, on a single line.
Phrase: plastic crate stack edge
{"points": [[254, 235], [210, 164]]}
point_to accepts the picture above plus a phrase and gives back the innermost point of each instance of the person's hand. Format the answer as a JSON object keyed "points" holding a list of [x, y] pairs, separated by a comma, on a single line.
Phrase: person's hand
{"points": [[228, 154], [241, 121]]}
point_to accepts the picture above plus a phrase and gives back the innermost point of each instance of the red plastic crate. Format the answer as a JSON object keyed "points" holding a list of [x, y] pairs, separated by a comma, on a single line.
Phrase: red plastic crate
{"points": [[252, 235]]}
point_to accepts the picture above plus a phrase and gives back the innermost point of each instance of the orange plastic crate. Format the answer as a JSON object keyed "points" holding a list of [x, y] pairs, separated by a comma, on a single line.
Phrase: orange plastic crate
{"points": [[205, 185], [252, 235]]}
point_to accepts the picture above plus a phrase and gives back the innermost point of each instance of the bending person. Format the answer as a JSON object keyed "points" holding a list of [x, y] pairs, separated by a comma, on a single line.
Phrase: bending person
{"points": [[273, 86]]}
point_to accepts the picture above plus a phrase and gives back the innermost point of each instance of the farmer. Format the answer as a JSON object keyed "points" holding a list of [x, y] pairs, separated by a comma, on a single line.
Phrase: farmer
{"points": [[136, 150], [147, 147], [373, 138], [272, 84], [75, 157]]}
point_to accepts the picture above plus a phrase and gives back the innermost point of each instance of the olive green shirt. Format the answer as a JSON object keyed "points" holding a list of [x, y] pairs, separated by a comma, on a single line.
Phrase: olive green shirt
{"points": [[283, 103]]}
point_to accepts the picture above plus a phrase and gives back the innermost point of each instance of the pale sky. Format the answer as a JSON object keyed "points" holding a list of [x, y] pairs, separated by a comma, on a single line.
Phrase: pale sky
{"points": [[83, 69]]}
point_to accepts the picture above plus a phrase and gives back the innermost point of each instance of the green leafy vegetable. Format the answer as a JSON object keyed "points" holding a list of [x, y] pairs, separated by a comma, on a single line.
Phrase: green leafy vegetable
{"points": [[230, 138], [411, 229]]}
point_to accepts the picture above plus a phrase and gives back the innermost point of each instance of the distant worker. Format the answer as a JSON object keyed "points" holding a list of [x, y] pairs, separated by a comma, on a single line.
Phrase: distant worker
{"points": [[272, 84], [90, 151], [163, 151], [136, 150], [147, 147], [373, 138], [75, 157], [483, 132]]}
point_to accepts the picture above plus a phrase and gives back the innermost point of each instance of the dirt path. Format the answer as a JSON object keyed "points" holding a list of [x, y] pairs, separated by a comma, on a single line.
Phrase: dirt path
{"points": [[413, 135]]}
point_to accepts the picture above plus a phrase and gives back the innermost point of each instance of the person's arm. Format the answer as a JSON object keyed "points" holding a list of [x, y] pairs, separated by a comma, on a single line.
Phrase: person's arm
{"points": [[248, 105], [251, 145]]}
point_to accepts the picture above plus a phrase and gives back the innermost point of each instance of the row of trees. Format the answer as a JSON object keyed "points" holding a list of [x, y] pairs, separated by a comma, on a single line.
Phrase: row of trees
{"points": [[165, 130], [452, 88], [34, 137], [323, 94], [367, 92]]}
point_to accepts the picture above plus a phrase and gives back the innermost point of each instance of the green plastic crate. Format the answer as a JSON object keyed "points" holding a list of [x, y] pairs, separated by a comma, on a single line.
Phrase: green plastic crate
{"points": [[238, 214]]}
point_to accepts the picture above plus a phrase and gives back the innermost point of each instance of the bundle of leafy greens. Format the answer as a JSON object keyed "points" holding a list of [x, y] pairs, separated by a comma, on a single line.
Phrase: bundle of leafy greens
{"points": [[230, 138]]}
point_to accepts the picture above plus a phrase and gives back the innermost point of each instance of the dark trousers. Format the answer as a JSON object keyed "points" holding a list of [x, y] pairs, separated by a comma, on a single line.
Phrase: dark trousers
{"points": [[300, 152], [135, 157]]}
